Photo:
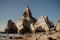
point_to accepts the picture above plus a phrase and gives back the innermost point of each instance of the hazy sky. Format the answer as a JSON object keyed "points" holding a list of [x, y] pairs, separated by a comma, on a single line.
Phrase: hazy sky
{"points": [[13, 9]]}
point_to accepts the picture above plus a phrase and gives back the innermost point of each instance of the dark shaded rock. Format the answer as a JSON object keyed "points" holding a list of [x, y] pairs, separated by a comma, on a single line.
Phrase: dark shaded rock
{"points": [[27, 20], [11, 27], [39, 29], [51, 38]]}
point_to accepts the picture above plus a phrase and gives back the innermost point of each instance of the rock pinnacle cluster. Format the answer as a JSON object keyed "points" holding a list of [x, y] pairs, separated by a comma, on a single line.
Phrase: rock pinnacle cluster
{"points": [[28, 24]]}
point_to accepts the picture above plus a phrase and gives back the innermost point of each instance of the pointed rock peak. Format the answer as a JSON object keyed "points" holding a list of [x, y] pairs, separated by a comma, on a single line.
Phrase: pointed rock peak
{"points": [[44, 19], [27, 12], [27, 8]]}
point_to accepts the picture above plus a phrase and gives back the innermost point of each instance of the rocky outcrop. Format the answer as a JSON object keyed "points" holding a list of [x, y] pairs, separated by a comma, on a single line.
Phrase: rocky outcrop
{"points": [[23, 24], [58, 25], [42, 23], [11, 27], [27, 23]]}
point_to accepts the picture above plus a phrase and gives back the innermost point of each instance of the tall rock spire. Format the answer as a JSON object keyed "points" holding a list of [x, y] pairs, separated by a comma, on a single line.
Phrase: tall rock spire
{"points": [[25, 21], [27, 12], [27, 8]]}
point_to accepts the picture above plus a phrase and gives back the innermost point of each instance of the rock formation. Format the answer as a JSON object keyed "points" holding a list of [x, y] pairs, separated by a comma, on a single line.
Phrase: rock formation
{"points": [[58, 25], [11, 27], [23, 24], [43, 24], [28, 24]]}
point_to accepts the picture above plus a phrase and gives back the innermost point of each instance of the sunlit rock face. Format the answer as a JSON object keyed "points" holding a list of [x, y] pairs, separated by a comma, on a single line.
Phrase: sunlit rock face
{"points": [[11, 27], [23, 24], [28, 23], [42, 24], [58, 25]]}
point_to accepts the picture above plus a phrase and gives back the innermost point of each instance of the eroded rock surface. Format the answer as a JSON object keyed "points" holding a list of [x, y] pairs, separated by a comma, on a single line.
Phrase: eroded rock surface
{"points": [[58, 25]]}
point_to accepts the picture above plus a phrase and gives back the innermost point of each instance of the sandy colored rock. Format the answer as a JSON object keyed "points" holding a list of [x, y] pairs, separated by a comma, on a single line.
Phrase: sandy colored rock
{"points": [[58, 25], [42, 23], [24, 23]]}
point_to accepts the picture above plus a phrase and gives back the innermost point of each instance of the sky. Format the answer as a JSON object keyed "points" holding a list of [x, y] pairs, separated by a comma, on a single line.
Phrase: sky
{"points": [[13, 9]]}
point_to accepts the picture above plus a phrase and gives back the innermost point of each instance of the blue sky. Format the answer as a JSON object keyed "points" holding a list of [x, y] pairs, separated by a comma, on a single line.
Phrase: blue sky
{"points": [[13, 9]]}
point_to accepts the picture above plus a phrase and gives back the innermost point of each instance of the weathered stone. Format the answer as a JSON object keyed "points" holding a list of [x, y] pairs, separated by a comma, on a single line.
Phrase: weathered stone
{"points": [[11, 27], [42, 23], [24, 24], [58, 25]]}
